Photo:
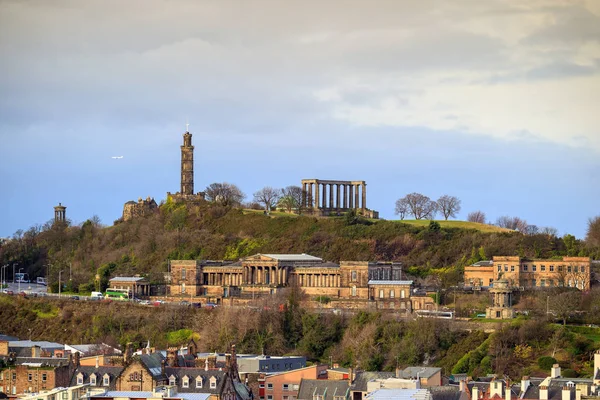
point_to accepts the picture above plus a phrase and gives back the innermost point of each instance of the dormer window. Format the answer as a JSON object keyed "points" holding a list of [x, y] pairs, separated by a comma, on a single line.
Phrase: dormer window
{"points": [[105, 380], [185, 382], [213, 382], [172, 380], [80, 378], [199, 382], [93, 379]]}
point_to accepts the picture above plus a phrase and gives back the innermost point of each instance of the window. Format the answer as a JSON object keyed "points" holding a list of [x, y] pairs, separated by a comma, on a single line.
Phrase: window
{"points": [[353, 291], [560, 268], [80, 379], [533, 282], [542, 268], [534, 268], [269, 386], [499, 268], [569, 268], [354, 276], [185, 382], [402, 294], [30, 377], [285, 398], [106, 380], [269, 397], [14, 377], [505, 268], [392, 294], [286, 386], [512, 268], [261, 385], [543, 282], [183, 273], [552, 268], [92, 379], [199, 382], [525, 267], [381, 296], [213, 382], [172, 380], [183, 288], [582, 268]]}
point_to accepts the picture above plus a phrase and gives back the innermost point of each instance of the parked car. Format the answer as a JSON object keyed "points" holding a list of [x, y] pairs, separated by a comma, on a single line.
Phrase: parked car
{"points": [[144, 303], [210, 305], [184, 303], [74, 297]]}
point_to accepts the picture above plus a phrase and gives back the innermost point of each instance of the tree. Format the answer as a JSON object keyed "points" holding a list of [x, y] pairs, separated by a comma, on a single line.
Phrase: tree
{"points": [[293, 198], [514, 223], [226, 194], [287, 202], [476, 216], [401, 208], [419, 205], [593, 233], [449, 206], [267, 196], [565, 304], [548, 230]]}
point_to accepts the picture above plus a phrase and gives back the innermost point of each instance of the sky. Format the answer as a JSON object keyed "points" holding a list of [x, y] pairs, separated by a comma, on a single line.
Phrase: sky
{"points": [[495, 102]]}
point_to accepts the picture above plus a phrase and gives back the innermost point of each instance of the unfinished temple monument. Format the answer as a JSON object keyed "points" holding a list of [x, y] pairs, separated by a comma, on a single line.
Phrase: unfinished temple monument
{"points": [[328, 197], [186, 193]]}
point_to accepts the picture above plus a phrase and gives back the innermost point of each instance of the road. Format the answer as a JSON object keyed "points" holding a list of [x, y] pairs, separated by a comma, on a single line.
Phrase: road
{"points": [[27, 287]]}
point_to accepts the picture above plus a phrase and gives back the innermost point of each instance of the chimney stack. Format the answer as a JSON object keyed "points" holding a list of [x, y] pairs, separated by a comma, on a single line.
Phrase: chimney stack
{"points": [[524, 384], [162, 367], [555, 371], [543, 392], [128, 353], [97, 361], [76, 357], [462, 385], [596, 366], [507, 392], [475, 393], [566, 393], [496, 388]]}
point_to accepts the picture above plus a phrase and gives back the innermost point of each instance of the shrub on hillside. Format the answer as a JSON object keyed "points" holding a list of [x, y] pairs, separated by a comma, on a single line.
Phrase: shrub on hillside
{"points": [[546, 362]]}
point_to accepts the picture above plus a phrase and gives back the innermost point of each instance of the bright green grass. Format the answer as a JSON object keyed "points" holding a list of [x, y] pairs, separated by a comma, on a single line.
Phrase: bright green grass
{"points": [[272, 214], [44, 315], [455, 224]]}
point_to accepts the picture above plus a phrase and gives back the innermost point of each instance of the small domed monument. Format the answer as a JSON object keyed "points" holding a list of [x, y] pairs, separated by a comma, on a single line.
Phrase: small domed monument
{"points": [[502, 306]]}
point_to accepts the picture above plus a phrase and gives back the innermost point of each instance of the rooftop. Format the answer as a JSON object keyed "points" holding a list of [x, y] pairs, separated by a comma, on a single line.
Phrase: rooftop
{"points": [[127, 279], [400, 394], [376, 282], [293, 257]]}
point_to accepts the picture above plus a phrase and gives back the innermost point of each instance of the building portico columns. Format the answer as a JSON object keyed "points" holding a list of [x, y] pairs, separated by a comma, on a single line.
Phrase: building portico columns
{"points": [[364, 196], [330, 205], [356, 199]]}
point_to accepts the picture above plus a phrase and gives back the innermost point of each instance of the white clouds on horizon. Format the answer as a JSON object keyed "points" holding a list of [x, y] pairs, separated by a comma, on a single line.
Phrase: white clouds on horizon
{"points": [[517, 71]]}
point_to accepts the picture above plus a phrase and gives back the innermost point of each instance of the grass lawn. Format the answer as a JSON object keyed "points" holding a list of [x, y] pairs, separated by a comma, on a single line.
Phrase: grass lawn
{"points": [[455, 224], [272, 214], [588, 332]]}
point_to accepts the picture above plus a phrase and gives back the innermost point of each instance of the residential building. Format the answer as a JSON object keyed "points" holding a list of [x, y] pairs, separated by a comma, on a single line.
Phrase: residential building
{"points": [[269, 364], [159, 393], [285, 385], [426, 376], [531, 272], [400, 394]]}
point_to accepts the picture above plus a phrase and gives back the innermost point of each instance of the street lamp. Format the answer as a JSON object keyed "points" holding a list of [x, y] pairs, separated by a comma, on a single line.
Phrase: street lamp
{"points": [[20, 279], [59, 284]]}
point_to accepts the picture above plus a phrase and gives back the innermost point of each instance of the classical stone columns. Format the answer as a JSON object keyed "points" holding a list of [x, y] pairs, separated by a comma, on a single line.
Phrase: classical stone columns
{"points": [[334, 195]]}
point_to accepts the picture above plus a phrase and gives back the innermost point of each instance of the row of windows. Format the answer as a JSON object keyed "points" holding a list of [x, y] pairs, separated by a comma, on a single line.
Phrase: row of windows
{"points": [[185, 382], [392, 294], [30, 377], [93, 381], [285, 386], [14, 376], [525, 268], [270, 397], [8, 389]]}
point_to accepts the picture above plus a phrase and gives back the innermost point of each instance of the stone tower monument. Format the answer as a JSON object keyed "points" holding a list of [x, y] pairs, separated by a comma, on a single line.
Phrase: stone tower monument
{"points": [[187, 165], [60, 212], [502, 307]]}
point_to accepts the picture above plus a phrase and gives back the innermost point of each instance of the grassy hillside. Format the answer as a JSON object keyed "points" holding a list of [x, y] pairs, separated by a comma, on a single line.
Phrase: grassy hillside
{"points": [[456, 224], [208, 231]]}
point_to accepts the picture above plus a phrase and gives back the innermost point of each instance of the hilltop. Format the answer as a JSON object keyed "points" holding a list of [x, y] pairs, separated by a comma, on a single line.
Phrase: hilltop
{"points": [[210, 231]]}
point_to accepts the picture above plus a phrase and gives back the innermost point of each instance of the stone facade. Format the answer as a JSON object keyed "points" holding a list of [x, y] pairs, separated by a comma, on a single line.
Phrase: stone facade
{"points": [[186, 192], [356, 284], [327, 197], [131, 209], [502, 305], [24, 378], [60, 213], [532, 273]]}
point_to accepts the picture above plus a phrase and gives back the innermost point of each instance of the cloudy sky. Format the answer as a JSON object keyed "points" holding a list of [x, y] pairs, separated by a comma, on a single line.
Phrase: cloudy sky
{"points": [[495, 102]]}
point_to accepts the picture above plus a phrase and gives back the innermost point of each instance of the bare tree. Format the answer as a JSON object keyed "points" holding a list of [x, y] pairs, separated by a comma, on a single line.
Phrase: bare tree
{"points": [[449, 206], [294, 198], [402, 207], [224, 193], [419, 205], [548, 230], [476, 216], [267, 196], [592, 236], [514, 223], [564, 304]]}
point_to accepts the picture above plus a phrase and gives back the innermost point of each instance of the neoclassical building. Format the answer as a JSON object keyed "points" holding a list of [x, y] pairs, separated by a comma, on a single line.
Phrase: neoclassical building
{"points": [[355, 284], [531, 272]]}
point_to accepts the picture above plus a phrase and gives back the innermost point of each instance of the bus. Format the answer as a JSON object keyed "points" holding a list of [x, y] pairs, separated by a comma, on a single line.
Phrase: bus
{"points": [[117, 294], [22, 277], [41, 281], [435, 314]]}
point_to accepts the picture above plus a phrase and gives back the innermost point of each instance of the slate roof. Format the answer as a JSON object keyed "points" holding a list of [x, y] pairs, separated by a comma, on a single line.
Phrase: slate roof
{"points": [[141, 395], [293, 257], [192, 374], [6, 338], [399, 394], [360, 381], [87, 371], [127, 279], [485, 263], [445, 393], [378, 282], [31, 343], [42, 361], [322, 387], [153, 362], [421, 372]]}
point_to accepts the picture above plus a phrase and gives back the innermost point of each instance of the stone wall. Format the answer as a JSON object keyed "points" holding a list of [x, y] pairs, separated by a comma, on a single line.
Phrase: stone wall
{"points": [[131, 209]]}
